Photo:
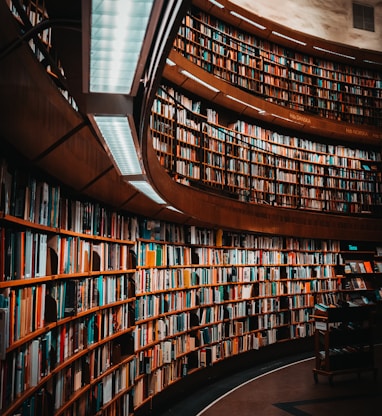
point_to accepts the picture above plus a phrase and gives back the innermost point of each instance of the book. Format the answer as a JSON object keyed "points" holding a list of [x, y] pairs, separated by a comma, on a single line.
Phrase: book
{"points": [[361, 267], [167, 352], [368, 267], [378, 266], [34, 362], [4, 332], [358, 283]]}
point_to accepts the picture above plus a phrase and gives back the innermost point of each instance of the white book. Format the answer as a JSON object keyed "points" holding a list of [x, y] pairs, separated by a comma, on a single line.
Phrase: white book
{"points": [[43, 253], [126, 406], [77, 376], [246, 291], [59, 392], [28, 254], [124, 379], [193, 234], [44, 206], [107, 388], [161, 327], [166, 347], [34, 361]]}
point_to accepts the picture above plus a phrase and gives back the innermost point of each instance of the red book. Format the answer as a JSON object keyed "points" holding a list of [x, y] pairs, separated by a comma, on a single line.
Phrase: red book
{"points": [[368, 267]]}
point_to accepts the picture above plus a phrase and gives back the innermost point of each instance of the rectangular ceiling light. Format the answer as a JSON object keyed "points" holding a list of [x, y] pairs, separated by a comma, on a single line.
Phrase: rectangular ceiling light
{"points": [[333, 53], [251, 22], [117, 134], [118, 29], [170, 62], [244, 103], [288, 38], [216, 3], [193, 77], [148, 190]]}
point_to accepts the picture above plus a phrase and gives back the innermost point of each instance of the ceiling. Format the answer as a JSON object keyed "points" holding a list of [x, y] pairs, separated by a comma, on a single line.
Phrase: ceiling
{"points": [[331, 19]]}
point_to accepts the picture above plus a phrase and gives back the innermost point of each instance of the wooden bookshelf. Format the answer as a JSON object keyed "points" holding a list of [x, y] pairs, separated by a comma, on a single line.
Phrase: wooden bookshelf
{"points": [[344, 341], [118, 328], [67, 279], [280, 73], [207, 296], [33, 13], [361, 274], [258, 165]]}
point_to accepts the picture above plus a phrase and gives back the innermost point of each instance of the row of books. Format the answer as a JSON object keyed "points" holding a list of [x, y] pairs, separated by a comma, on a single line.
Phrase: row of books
{"points": [[154, 361], [30, 308], [105, 396], [28, 366], [158, 380], [255, 159], [264, 139], [156, 280], [193, 30], [362, 266], [231, 49], [24, 254], [28, 254], [215, 171], [285, 86], [158, 254], [24, 196], [158, 329]]}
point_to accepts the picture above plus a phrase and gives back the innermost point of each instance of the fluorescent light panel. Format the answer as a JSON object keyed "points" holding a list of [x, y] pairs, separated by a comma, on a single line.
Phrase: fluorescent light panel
{"points": [[148, 190], [173, 209], [259, 26], [116, 132], [244, 103], [216, 3], [286, 119], [289, 38], [118, 28], [372, 62], [332, 52], [170, 62], [187, 74]]}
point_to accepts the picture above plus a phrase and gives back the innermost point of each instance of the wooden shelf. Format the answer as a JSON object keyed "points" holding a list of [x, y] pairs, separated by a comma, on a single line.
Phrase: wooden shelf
{"points": [[256, 164], [344, 342], [280, 75]]}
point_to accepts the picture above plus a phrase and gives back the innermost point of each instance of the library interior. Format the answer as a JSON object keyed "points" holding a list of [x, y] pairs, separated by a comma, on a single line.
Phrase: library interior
{"points": [[190, 207]]}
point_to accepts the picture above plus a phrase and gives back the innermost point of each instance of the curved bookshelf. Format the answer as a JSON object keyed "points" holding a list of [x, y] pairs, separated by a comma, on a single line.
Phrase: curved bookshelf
{"points": [[283, 73], [67, 279], [255, 164], [205, 296]]}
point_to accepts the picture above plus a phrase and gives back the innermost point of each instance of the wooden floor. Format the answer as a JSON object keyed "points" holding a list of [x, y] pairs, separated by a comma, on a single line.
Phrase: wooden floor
{"points": [[291, 390]]}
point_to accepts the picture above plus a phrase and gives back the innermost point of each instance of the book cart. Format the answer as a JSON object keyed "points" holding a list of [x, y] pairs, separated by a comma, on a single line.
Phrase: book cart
{"points": [[344, 341]]}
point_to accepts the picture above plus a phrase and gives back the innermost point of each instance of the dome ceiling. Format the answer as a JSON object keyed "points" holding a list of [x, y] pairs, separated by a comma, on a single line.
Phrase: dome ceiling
{"points": [[331, 19]]}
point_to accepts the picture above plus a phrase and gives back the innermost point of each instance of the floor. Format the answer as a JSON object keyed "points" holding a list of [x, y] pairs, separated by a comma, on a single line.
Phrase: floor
{"points": [[286, 388]]}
